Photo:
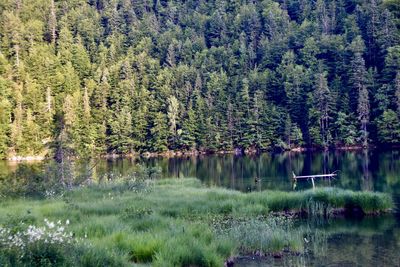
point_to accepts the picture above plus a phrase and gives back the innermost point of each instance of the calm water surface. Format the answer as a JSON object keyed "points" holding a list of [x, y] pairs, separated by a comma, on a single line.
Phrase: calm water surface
{"points": [[363, 242]]}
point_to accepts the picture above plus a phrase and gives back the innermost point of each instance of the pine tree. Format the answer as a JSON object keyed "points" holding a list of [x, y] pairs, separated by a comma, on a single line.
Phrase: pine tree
{"points": [[67, 138], [52, 23], [5, 115], [12, 40], [293, 80], [187, 138], [323, 104], [80, 59], [363, 110], [120, 138], [32, 141], [389, 128], [87, 127], [346, 132], [17, 123], [173, 109], [246, 133], [358, 82], [397, 93], [159, 133], [139, 125], [99, 110]]}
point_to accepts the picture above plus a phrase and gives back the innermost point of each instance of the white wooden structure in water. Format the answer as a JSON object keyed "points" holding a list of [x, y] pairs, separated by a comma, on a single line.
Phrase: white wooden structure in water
{"points": [[312, 177]]}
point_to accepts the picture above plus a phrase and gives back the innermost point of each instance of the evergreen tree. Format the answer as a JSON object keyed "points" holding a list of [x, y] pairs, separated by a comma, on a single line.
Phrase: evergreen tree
{"points": [[358, 81], [159, 133], [5, 113], [346, 132], [32, 144], [187, 137], [173, 109], [323, 105], [293, 79], [363, 110], [388, 128], [397, 87], [120, 137]]}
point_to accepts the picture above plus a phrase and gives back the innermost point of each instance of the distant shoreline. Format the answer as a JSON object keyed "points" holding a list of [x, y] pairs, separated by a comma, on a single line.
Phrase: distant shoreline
{"points": [[25, 158], [195, 153]]}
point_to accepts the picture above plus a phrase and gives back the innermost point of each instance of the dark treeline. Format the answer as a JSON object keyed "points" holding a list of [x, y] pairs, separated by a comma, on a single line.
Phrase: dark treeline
{"points": [[121, 76]]}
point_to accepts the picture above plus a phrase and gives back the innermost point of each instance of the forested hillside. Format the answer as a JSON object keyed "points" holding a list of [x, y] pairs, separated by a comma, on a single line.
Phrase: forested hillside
{"points": [[88, 77]]}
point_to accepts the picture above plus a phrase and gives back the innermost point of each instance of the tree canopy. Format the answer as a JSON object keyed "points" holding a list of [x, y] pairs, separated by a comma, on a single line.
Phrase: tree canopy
{"points": [[121, 76]]}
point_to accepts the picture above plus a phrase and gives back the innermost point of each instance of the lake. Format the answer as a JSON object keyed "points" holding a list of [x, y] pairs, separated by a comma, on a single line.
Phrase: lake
{"points": [[344, 242]]}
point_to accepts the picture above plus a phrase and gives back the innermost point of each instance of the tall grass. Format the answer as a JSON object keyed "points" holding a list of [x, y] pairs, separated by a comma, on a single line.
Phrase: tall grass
{"points": [[177, 222], [323, 201], [262, 235]]}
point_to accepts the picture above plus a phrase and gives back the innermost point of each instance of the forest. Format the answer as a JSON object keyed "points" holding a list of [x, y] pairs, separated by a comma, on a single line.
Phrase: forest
{"points": [[91, 77]]}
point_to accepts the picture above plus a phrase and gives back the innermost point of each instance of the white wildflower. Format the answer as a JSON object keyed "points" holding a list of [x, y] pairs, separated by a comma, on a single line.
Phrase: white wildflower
{"points": [[50, 225]]}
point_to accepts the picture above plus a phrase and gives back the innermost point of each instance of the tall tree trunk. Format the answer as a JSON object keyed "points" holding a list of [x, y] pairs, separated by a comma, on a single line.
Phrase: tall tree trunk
{"points": [[53, 22]]}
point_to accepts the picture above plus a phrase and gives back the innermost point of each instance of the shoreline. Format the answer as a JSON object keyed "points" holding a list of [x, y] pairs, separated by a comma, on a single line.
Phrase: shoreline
{"points": [[196, 153], [17, 159]]}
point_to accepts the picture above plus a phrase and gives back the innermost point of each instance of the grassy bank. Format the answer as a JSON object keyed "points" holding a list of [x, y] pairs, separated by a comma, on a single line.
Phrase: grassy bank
{"points": [[171, 222]]}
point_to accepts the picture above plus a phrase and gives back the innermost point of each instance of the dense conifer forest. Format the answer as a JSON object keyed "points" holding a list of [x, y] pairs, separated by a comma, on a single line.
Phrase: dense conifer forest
{"points": [[89, 77]]}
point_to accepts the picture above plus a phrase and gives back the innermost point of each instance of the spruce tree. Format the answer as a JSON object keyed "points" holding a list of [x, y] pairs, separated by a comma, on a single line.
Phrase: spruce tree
{"points": [[159, 133], [323, 105], [388, 128]]}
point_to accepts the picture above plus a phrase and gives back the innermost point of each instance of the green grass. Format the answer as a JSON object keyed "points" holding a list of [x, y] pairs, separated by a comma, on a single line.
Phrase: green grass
{"points": [[180, 222], [323, 201]]}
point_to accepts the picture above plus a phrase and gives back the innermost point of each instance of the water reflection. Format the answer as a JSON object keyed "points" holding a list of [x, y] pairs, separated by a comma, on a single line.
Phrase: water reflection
{"points": [[373, 241], [362, 170], [339, 242]]}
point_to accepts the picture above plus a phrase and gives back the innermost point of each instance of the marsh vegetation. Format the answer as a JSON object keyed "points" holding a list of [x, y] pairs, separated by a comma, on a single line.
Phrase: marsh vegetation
{"points": [[167, 222]]}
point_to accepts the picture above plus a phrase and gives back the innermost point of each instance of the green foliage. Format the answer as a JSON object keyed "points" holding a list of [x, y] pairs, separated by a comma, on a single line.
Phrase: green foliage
{"points": [[91, 77], [49, 245], [388, 128], [345, 130]]}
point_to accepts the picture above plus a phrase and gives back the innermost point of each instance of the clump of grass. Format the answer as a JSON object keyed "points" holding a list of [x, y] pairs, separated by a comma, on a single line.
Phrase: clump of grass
{"points": [[323, 201], [185, 250], [97, 256], [144, 246], [263, 234]]}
